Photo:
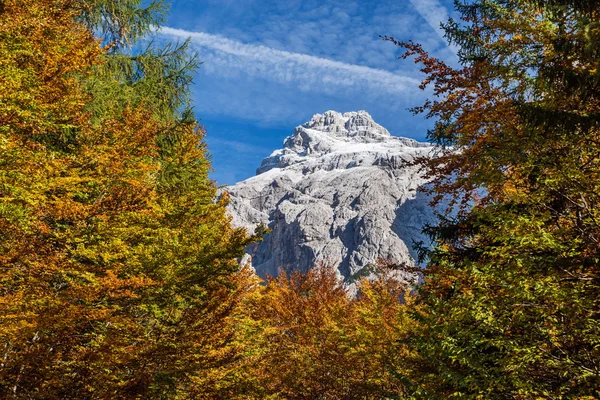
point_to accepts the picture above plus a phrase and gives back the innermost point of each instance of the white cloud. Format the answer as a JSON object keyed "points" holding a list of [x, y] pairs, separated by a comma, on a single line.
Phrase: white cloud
{"points": [[226, 57], [434, 13]]}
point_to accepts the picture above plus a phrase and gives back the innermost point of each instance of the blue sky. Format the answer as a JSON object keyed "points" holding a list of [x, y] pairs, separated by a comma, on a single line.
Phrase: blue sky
{"points": [[268, 66]]}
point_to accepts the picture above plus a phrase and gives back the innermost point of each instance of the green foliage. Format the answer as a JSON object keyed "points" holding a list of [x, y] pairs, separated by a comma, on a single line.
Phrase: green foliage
{"points": [[118, 270], [157, 79], [510, 303], [121, 23]]}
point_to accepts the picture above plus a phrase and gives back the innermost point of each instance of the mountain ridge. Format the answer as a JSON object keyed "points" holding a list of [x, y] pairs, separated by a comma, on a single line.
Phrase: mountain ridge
{"points": [[341, 191]]}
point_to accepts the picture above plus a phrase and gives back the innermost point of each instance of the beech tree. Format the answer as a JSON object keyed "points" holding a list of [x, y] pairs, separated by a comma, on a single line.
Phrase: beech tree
{"points": [[303, 336], [118, 269], [510, 300]]}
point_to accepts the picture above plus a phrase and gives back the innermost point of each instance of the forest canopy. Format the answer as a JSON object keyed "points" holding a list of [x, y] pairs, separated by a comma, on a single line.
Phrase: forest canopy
{"points": [[120, 273]]}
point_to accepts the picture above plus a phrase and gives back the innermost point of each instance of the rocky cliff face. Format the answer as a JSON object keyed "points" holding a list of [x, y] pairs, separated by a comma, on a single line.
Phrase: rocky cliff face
{"points": [[340, 192]]}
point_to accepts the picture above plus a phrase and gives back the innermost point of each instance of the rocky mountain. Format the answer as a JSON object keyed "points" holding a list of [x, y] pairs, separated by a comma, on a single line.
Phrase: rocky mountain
{"points": [[340, 192]]}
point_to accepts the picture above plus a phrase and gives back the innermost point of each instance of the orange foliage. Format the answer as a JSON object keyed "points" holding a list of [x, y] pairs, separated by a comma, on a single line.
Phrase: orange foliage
{"points": [[117, 269], [306, 337]]}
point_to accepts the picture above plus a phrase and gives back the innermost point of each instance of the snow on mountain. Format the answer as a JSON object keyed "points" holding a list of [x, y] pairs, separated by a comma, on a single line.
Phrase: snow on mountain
{"points": [[341, 191]]}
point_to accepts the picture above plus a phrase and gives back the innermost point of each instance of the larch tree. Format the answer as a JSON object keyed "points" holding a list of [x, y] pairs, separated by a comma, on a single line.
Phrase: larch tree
{"points": [[118, 271], [510, 303]]}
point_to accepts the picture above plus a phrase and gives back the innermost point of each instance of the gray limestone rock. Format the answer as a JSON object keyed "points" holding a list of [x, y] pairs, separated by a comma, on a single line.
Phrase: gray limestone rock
{"points": [[340, 192]]}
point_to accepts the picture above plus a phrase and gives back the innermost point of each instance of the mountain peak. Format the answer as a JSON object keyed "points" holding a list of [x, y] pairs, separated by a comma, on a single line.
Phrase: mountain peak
{"points": [[349, 124], [341, 192], [331, 133]]}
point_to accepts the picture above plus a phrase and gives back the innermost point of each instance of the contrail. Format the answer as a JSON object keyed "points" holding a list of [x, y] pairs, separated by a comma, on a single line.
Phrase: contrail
{"points": [[223, 56]]}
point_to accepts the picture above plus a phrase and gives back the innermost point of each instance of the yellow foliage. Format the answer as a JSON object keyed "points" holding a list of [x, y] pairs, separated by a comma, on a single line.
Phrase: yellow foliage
{"points": [[306, 337]]}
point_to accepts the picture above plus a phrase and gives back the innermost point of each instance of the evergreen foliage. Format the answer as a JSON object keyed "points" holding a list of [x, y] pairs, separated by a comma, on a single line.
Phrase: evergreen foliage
{"points": [[118, 270], [121, 23], [512, 293]]}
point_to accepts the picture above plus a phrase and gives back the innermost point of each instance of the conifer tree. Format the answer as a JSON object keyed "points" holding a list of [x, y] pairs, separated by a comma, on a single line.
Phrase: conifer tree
{"points": [[510, 303], [118, 269]]}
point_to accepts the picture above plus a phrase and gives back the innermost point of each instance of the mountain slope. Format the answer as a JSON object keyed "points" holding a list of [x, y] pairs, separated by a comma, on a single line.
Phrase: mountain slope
{"points": [[340, 192]]}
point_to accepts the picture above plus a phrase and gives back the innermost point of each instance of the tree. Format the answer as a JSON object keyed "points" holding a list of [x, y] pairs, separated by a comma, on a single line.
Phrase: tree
{"points": [[304, 336], [118, 269], [510, 302]]}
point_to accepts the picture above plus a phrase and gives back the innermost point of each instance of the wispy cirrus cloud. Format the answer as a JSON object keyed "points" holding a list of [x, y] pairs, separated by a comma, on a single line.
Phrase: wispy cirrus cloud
{"points": [[268, 66], [435, 14], [223, 56]]}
